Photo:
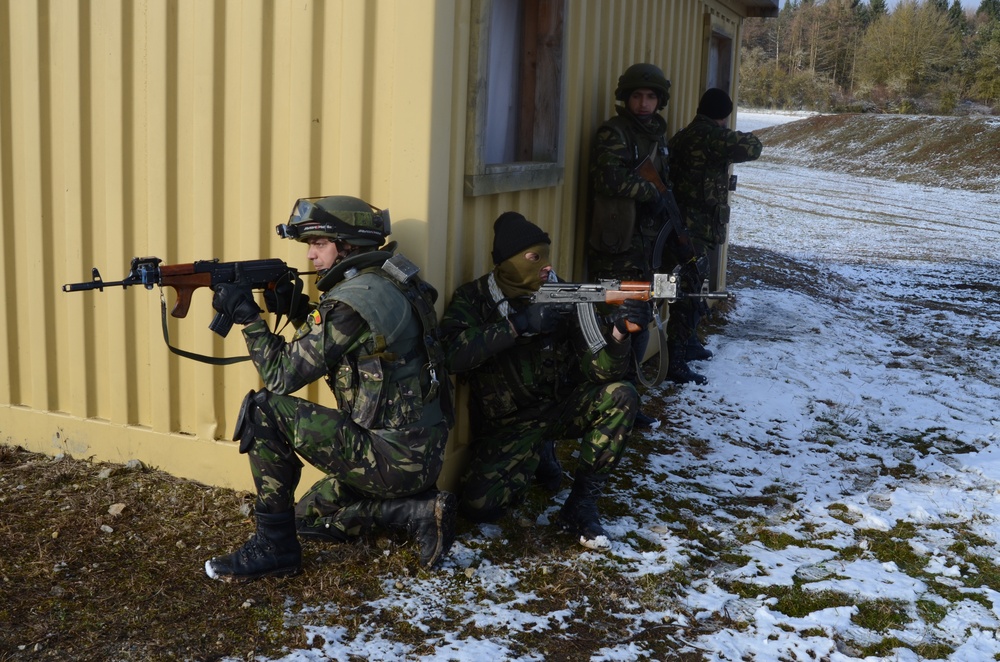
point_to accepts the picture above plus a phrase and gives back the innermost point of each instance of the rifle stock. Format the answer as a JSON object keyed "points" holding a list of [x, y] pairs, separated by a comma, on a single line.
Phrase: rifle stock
{"points": [[647, 171]]}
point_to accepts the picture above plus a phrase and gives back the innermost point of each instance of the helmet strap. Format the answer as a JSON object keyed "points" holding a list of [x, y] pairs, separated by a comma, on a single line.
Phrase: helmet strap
{"points": [[356, 261]]}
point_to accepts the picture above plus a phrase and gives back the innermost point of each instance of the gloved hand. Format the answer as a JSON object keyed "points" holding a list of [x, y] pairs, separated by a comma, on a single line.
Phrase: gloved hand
{"points": [[635, 312], [536, 318], [283, 300], [236, 302]]}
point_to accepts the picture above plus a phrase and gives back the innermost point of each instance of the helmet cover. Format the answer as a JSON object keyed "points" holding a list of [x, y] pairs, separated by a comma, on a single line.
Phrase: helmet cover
{"points": [[337, 217]]}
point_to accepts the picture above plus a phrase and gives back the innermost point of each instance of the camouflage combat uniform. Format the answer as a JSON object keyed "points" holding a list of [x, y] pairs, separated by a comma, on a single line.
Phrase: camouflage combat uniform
{"points": [[528, 389], [620, 145], [700, 155], [386, 438]]}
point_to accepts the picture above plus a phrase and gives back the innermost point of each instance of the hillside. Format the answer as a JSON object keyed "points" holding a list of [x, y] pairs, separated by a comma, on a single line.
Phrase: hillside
{"points": [[954, 152]]}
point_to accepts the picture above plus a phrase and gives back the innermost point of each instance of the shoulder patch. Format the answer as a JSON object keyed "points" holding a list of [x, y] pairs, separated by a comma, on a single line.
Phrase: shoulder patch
{"points": [[315, 317]]}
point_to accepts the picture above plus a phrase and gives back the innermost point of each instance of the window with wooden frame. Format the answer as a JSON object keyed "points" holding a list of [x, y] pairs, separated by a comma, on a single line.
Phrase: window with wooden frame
{"points": [[516, 88]]}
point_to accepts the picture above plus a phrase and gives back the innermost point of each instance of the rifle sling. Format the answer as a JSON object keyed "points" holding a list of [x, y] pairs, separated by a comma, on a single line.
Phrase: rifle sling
{"points": [[663, 358], [213, 360]]}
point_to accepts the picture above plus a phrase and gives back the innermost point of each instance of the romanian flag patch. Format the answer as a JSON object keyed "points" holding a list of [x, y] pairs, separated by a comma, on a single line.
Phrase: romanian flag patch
{"points": [[315, 317]]}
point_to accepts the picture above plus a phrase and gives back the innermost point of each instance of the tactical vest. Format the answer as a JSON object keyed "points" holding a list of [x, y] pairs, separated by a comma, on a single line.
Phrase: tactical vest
{"points": [[392, 383], [638, 147]]}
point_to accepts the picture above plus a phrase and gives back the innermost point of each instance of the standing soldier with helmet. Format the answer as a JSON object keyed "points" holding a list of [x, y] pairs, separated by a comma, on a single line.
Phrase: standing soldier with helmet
{"points": [[372, 337], [700, 156], [629, 212]]}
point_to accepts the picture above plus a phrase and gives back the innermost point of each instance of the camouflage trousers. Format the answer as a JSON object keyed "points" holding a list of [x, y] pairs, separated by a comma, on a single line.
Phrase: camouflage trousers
{"points": [[362, 467], [504, 458]]}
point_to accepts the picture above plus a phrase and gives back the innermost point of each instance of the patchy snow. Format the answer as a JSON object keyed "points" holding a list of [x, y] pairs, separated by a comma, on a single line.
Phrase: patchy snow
{"points": [[867, 399]]}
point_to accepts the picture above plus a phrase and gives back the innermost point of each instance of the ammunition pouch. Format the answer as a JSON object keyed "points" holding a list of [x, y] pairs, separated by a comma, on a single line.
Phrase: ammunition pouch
{"points": [[371, 391], [612, 224], [247, 426], [243, 422]]}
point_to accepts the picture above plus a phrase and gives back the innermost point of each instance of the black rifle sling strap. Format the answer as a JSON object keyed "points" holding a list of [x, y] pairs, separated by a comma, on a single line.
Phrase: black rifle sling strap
{"points": [[662, 354], [213, 360]]}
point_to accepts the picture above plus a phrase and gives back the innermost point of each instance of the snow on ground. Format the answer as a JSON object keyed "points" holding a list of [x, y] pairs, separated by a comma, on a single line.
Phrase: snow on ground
{"points": [[867, 397], [750, 119]]}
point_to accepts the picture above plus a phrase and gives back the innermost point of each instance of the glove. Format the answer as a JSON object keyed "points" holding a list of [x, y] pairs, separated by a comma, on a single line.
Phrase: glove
{"points": [[235, 302], [537, 318], [638, 313], [283, 300]]}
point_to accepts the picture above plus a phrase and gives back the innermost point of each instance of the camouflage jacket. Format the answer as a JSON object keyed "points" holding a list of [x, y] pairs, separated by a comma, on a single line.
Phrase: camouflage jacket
{"points": [[700, 155], [620, 145], [518, 376], [371, 354]]}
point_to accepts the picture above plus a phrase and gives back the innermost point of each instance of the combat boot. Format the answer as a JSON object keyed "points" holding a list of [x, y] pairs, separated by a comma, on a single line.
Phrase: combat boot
{"points": [[695, 351], [429, 517], [643, 421], [319, 530], [678, 370], [549, 471], [273, 551], [579, 514]]}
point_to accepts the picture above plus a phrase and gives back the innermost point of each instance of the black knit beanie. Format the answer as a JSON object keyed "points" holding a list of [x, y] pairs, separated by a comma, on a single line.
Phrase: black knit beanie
{"points": [[512, 233], [716, 104]]}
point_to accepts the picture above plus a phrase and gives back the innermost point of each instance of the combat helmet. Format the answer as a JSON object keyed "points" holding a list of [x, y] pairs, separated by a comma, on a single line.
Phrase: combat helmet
{"points": [[645, 75], [337, 217]]}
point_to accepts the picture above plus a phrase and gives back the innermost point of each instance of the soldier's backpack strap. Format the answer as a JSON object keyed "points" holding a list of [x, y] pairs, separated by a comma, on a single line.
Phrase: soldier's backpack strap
{"points": [[422, 296]]}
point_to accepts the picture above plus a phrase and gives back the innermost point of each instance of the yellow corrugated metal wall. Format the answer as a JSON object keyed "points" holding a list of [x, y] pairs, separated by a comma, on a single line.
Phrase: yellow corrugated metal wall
{"points": [[185, 129]]}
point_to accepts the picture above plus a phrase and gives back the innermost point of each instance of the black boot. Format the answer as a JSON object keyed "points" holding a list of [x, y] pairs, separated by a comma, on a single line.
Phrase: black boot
{"points": [[429, 517], [643, 421], [579, 514], [273, 551], [678, 370], [549, 471], [695, 351], [317, 530]]}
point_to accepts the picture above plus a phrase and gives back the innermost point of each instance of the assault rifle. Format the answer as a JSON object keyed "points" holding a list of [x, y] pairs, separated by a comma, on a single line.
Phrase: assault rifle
{"points": [[583, 296], [186, 278], [675, 220]]}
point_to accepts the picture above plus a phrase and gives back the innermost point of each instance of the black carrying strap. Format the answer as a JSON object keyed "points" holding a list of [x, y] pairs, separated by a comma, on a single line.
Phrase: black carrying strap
{"points": [[213, 360]]}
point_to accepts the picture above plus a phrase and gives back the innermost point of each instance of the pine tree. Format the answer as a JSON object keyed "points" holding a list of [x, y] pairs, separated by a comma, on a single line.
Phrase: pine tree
{"points": [[990, 8], [956, 16]]}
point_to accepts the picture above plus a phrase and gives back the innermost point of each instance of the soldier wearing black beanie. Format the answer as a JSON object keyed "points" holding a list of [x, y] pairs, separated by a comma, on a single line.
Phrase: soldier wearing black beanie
{"points": [[517, 273], [512, 233], [533, 380], [715, 104]]}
